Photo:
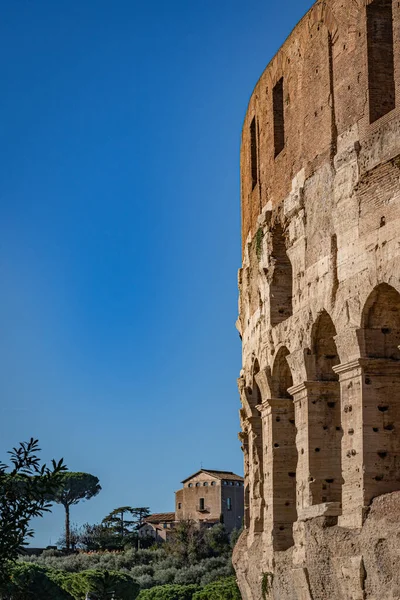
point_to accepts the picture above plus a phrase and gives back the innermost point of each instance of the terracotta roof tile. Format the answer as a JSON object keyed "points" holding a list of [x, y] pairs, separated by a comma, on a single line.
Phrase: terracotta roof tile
{"points": [[228, 475], [168, 517]]}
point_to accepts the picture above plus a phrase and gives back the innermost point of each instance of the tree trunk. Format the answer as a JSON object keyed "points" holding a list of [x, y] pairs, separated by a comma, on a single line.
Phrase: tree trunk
{"points": [[67, 530]]}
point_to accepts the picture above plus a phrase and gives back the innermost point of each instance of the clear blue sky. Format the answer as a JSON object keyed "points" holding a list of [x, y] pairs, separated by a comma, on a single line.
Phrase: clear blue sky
{"points": [[120, 235]]}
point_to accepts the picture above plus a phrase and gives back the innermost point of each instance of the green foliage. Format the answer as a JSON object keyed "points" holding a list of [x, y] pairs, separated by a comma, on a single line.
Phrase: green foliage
{"points": [[25, 488], [31, 582], [188, 542], [121, 525], [225, 589], [34, 582], [217, 539], [71, 488], [101, 585], [266, 584], [169, 592], [259, 240]]}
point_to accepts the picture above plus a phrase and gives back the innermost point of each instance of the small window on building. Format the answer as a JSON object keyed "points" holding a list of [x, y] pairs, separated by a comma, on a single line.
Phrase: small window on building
{"points": [[165, 525], [179, 504], [205, 483], [190, 485], [224, 482], [197, 484], [229, 503], [253, 153], [231, 483], [381, 83], [201, 504], [238, 483], [279, 117], [213, 483]]}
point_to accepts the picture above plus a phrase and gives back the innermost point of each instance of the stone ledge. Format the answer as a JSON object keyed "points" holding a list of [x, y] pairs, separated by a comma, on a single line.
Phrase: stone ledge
{"points": [[326, 509]]}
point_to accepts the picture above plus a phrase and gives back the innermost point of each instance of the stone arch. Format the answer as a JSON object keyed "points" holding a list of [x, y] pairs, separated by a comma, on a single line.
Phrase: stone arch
{"points": [[283, 453], [324, 348], [380, 336], [380, 322], [256, 449], [325, 431], [281, 283], [281, 375]]}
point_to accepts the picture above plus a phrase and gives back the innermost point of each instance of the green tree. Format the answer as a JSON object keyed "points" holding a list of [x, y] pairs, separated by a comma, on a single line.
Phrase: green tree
{"points": [[118, 521], [217, 539], [123, 522], [71, 489], [100, 585], [187, 542], [224, 589], [30, 582], [169, 592], [25, 488]]}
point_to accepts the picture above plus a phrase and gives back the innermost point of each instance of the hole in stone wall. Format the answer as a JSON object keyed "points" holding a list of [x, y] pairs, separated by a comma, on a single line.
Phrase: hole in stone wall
{"points": [[281, 286], [381, 84], [325, 461], [253, 153], [284, 462], [279, 117]]}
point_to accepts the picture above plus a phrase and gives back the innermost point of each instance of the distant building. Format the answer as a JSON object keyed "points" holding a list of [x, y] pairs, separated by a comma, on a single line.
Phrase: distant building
{"points": [[157, 526], [210, 497]]}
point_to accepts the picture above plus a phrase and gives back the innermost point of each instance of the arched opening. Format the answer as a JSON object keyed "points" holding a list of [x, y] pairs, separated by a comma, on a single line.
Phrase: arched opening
{"points": [[281, 287], [381, 323], [324, 427], [256, 457], [324, 347], [284, 454], [381, 391]]}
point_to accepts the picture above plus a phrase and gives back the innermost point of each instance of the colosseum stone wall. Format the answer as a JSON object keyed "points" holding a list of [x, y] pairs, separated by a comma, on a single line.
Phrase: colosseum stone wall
{"points": [[319, 311]]}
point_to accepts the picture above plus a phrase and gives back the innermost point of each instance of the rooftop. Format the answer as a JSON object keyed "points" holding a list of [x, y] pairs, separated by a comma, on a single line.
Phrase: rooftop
{"points": [[228, 475], [167, 517]]}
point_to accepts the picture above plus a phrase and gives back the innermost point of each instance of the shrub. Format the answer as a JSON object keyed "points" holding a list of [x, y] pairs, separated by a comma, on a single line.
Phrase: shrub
{"points": [[144, 581], [224, 589], [101, 584], [163, 576], [169, 592], [30, 582], [191, 574]]}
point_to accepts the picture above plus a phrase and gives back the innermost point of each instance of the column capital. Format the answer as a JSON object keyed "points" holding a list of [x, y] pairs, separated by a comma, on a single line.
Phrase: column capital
{"points": [[347, 367], [274, 405]]}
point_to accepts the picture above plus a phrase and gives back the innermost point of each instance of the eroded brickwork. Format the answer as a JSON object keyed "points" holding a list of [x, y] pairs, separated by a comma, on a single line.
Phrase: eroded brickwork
{"points": [[319, 310]]}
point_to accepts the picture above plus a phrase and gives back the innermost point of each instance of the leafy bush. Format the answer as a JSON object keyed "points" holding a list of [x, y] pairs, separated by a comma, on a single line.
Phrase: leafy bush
{"points": [[30, 582], [164, 576], [101, 584], [169, 592], [224, 589]]}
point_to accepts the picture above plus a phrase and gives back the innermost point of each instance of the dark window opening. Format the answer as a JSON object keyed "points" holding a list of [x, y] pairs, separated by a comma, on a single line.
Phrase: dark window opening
{"points": [[281, 284], [229, 503], [253, 152], [380, 59], [201, 504], [279, 117]]}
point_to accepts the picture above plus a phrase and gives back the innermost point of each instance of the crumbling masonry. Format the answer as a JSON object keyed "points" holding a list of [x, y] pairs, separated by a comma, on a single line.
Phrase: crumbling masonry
{"points": [[320, 311]]}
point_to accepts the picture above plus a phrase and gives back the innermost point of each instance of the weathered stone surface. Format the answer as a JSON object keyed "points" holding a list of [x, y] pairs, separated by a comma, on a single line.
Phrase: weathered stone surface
{"points": [[319, 310]]}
